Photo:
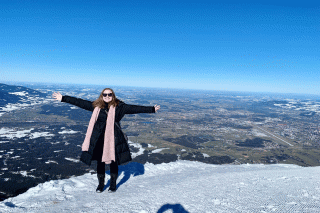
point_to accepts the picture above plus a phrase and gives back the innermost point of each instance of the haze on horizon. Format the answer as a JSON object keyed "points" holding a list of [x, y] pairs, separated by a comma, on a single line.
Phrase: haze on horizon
{"points": [[205, 45]]}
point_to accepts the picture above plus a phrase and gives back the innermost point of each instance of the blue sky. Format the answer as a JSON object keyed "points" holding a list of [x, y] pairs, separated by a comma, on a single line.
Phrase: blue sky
{"points": [[211, 45]]}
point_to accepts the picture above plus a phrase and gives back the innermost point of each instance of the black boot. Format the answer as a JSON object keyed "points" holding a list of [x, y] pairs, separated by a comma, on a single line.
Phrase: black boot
{"points": [[101, 183], [113, 182]]}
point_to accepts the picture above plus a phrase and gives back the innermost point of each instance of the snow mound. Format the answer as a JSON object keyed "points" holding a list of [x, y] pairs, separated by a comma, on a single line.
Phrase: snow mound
{"points": [[181, 186]]}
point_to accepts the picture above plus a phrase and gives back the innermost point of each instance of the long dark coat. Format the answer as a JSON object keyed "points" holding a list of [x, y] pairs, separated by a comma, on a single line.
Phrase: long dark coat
{"points": [[122, 151]]}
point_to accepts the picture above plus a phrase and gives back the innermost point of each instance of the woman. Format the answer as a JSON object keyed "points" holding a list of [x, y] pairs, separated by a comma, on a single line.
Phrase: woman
{"points": [[105, 141]]}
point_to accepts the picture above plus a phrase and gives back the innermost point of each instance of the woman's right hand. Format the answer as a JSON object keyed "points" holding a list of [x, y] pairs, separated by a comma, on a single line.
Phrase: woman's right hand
{"points": [[57, 96]]}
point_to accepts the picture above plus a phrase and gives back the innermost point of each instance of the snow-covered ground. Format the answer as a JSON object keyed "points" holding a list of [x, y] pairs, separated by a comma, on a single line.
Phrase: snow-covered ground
{"points": [[181, 186], [27, 101]]}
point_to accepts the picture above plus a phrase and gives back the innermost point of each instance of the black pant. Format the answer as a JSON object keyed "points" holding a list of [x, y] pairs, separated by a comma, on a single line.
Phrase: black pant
{"points": [[101, 169]]}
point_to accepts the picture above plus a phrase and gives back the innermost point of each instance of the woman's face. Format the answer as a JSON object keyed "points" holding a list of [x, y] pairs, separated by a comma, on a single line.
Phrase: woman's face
{"points": [[107, 95]]}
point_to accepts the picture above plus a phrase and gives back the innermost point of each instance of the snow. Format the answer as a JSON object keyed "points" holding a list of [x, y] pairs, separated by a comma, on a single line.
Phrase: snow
{"points": [[25, 174], [181, 186], [51, 161], [23, 93], [26, 102], [205, 155], [72, 159], [68, 132], [159, 150], [308, 106], [40, 134], [9, 107], [136, 145], [14, 133]]}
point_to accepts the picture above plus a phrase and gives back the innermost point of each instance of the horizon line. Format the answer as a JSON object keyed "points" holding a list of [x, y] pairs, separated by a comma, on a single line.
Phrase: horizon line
{"points": [[187, 89]]}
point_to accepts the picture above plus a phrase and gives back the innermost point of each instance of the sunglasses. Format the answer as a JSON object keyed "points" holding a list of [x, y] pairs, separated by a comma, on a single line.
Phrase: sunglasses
{"points": [[107, 94]]}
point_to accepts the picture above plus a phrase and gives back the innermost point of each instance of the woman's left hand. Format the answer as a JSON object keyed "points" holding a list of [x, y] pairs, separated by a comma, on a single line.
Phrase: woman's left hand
{"points": [[156, 107]]}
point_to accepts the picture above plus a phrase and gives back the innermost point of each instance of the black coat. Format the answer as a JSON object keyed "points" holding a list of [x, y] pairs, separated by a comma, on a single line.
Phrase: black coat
{"points": [[122, 151]]}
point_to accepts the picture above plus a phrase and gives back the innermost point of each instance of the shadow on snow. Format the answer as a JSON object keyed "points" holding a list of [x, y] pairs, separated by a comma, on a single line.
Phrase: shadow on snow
{"points": [[129, 169], [176, 208], [136, 169]]}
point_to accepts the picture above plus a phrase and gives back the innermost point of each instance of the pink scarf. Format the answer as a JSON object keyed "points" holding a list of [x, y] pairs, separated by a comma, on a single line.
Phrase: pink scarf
{"points": [[108, 146]]}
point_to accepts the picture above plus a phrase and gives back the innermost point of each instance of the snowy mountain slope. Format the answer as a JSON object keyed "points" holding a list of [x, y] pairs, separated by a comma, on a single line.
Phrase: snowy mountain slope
{"points": [[181, 186], [19, 97]]}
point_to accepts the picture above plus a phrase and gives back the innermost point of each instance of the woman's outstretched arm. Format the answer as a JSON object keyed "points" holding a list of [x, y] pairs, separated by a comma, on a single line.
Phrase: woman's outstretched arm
{"points": [[134, 109], [84, 104]]}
